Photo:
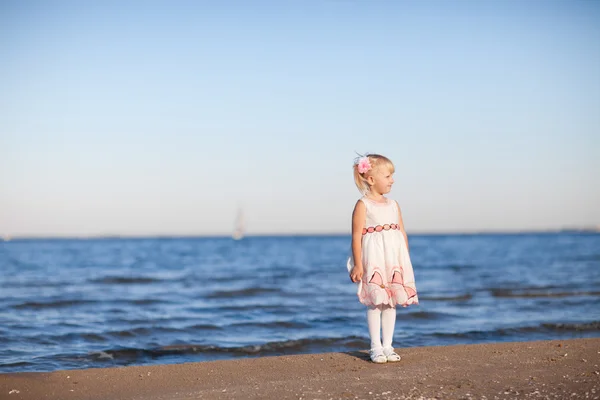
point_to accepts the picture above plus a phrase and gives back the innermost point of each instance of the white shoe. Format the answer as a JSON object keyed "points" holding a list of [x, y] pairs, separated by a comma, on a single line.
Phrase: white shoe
{"points": [[391, 355], [377, 356]]}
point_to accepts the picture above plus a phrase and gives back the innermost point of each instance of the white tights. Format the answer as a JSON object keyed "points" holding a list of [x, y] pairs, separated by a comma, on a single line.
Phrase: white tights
{"points": [[381, 318]]}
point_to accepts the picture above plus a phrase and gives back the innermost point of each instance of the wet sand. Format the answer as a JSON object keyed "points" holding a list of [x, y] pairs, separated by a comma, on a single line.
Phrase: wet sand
{"points": [[566, 369]]}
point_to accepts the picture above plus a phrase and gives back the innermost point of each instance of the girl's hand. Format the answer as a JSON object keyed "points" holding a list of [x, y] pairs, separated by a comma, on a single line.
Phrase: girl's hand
{"points": [[356, 274]]}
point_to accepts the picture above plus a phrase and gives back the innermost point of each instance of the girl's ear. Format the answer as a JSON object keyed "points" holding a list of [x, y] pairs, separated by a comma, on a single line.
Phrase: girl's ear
{"points": [[370, 180]]}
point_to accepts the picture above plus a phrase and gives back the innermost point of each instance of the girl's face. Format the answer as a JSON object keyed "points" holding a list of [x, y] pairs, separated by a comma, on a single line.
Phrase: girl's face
{"points": [[381, 180]]}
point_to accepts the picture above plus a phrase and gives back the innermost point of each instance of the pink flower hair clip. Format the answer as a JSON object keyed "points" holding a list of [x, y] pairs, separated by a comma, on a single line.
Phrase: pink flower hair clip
{"points": [[363, 164]]}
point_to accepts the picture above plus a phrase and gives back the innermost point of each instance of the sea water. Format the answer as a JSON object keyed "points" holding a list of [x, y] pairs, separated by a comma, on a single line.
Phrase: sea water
{"points": [[82, 303]]}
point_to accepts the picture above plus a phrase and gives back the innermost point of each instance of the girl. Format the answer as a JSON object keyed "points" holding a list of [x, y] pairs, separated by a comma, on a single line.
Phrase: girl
{"points": [[380, 262]]}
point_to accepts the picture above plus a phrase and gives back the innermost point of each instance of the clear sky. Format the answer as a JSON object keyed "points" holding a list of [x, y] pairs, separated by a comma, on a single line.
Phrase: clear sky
{"points": [[143, 118]]}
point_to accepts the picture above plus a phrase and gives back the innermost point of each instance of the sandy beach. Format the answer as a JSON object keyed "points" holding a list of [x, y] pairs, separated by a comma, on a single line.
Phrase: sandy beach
{"points": [[531, 370]]}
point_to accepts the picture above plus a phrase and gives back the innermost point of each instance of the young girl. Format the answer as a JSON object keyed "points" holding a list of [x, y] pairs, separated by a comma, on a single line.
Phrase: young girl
{"points": [[380, 262]]}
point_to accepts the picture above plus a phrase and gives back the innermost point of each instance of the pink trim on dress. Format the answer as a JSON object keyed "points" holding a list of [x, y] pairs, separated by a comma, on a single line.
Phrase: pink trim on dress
{"points": [[380, 228], [392, 293]]}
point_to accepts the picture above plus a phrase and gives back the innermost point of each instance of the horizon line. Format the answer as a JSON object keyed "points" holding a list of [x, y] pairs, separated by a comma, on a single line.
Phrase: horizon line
{"points": [[8, 238]]}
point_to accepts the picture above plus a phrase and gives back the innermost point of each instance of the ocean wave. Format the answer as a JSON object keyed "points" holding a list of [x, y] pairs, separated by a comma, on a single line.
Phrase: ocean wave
{"points": [[454, 267], [429, 315], [125, 280], [591, 257], [459, 297], [109, 336], [544, 327], [273, 324], [270, 348], [92, 337], [241, 293], [204, 327], [16, 365], [144, 331], [253, 307], [542, 292], [33, 284], [145, 302], [35, 305], [587, 326]]}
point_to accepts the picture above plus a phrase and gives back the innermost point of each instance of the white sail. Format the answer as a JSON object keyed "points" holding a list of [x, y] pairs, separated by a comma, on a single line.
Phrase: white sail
{"points": [[239, 229]]}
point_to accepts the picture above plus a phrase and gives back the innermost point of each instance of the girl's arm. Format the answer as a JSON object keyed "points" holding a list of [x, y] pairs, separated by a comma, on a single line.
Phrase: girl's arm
{"points": [[358, 223], [401, 223]]}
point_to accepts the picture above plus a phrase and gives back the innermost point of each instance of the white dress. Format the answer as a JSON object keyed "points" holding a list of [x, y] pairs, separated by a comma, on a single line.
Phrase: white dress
{"points": [[388, 273]]}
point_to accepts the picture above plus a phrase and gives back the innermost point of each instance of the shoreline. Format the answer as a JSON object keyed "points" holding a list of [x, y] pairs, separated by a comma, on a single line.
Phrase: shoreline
{"points": [[542, 369], [228, 235]]}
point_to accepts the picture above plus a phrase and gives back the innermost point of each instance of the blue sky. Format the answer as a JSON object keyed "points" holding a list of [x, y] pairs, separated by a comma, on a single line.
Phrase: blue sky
{"points": [[166, 117]]}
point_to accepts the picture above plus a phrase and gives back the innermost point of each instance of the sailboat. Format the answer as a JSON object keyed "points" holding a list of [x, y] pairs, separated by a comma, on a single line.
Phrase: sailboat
{"points": [[239, 229]]}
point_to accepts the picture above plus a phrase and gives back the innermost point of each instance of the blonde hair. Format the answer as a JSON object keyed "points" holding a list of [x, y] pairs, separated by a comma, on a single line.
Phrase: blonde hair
{"points": [[377, 161]]}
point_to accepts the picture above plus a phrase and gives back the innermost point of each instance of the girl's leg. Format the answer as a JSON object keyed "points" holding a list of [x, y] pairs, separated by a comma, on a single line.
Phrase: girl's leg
{"points": [[374, 323], [388, 321]]}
